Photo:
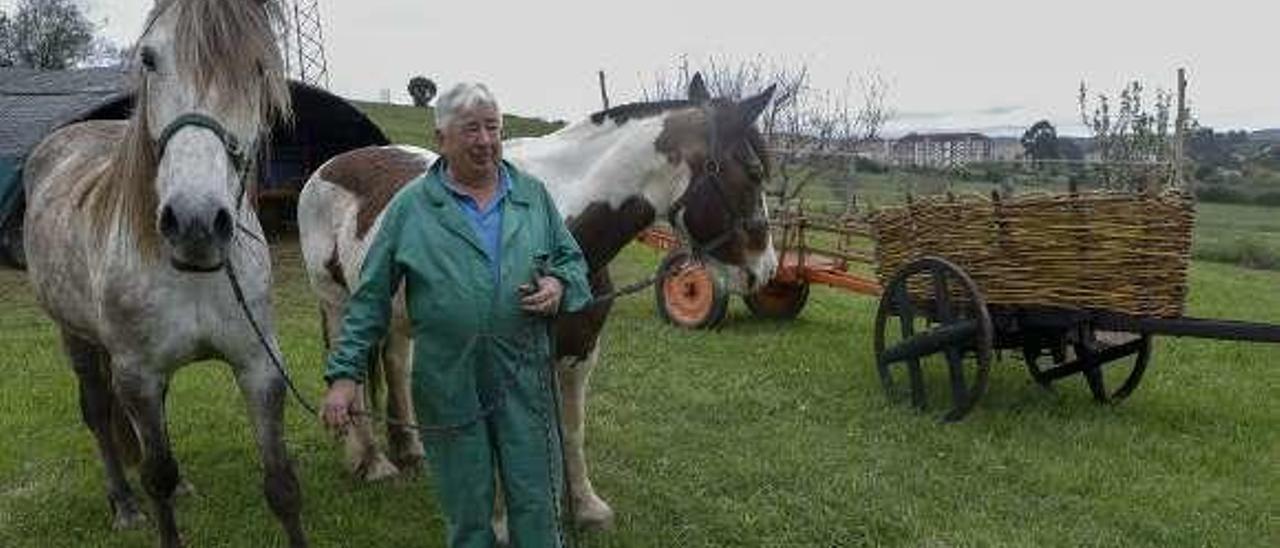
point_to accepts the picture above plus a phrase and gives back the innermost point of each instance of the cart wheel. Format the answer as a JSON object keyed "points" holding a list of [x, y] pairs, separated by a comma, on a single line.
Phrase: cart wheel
{"points": [[778, 301], [691, 294], [938, 297], [1107, 358]]}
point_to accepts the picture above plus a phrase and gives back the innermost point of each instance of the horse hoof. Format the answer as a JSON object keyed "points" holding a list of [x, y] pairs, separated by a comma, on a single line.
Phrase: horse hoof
{"points": [[408, 462], [128, 519], [593, 514], [379, 469], [184, 489]]}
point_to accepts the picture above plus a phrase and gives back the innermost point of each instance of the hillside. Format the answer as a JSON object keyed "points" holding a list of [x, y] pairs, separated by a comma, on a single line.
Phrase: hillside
{"points": [[405, 124]]}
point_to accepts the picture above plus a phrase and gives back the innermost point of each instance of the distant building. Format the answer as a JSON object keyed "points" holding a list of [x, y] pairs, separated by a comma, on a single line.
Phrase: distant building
{"points": [[877, 150], [1007, 149], [942, 149]]}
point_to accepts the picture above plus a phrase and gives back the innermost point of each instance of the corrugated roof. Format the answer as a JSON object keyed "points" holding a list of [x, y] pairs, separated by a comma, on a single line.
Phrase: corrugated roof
{"points": [[34, 102]]}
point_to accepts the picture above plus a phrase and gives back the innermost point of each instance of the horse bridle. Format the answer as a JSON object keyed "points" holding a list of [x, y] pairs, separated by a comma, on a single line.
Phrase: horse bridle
{"points": [[239, 156], [711, 171]]}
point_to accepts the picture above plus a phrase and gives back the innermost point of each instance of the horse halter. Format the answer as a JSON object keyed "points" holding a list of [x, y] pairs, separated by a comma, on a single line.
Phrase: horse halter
{"points": [[711, 171], [236, 154]]}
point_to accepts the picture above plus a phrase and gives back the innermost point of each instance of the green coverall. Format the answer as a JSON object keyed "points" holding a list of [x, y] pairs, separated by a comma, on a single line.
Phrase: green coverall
{"points": [[481, 366]]}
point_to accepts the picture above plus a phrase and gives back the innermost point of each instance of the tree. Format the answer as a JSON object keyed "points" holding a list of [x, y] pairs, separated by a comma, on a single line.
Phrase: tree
{"points": [[422, 89], [1210, 150], [47, 34], [1132, 140], [1040, 141], [6, 46], [1068, 149]]}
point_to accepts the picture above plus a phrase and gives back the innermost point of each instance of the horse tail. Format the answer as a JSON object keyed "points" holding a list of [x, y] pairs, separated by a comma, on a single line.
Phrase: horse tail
{"points": [[123, 434]]}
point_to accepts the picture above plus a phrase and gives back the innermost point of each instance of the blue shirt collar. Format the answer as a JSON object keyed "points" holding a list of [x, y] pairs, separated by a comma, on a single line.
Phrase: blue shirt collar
{"points": [[504, 187]]}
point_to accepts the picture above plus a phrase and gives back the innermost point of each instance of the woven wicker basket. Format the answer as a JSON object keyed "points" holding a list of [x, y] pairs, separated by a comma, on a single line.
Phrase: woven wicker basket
{"points": [[1122, 252]]}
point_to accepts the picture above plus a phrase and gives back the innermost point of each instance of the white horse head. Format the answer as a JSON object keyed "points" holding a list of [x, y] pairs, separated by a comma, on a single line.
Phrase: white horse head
{"points": [[210, 81]]}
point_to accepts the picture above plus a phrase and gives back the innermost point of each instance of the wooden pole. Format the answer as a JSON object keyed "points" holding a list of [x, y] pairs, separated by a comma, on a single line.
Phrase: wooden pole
{"points": [[604, 92], [1180, 129]]}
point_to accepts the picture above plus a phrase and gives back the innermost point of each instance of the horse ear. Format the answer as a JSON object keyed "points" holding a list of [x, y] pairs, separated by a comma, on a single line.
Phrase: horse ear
{"points": [[698, 89], [751, 108]]}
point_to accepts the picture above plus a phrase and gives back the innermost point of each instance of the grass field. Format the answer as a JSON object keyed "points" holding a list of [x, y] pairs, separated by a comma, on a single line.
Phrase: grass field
{"points": [[760, 434]]}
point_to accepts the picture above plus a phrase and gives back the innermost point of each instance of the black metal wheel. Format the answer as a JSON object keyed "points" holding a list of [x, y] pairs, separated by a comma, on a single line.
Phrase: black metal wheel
{"points": [[778, 300], [1104, 358], [1111, 359], [691, 293], [932, 313]]}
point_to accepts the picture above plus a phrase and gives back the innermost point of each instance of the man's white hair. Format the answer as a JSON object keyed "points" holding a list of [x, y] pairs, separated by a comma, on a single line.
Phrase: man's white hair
{"points": [[460, 97]]}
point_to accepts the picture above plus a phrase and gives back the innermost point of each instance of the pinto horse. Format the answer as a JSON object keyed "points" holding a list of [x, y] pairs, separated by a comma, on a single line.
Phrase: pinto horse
{"points": [[698, 162], [130, 227]]}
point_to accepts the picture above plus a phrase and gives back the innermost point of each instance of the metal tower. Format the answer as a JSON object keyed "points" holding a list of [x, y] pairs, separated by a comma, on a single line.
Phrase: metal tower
{"points": [[302, 41]]}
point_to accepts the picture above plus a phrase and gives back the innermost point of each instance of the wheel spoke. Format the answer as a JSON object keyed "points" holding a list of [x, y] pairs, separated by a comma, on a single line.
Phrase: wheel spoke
{"points": [[955, 335], [959, 391], [941, 296]]}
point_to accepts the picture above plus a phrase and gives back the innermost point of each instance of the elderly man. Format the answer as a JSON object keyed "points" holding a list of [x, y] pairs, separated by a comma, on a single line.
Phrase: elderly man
{"points": [[486, 262]]}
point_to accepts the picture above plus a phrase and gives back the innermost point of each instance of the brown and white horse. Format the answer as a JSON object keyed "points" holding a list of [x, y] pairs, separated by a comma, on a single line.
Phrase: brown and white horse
{"points": [[133, 229], [698, 162]]}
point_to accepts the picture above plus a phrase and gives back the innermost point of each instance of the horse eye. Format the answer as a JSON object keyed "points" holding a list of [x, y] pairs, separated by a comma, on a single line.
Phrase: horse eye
{"points": [[148, 59]]}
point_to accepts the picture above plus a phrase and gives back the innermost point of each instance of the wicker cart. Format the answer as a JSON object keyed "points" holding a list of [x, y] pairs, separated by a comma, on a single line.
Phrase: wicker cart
{"points": [[1072, 283]]}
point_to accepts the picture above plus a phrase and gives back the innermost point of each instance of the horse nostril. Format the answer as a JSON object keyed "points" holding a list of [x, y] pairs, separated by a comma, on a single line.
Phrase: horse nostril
{"points": [[168, 222], [222, 225]]}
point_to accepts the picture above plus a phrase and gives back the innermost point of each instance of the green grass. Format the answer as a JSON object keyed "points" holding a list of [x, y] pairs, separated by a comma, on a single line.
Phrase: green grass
{"points": [[1239, 234], [759, 434]]}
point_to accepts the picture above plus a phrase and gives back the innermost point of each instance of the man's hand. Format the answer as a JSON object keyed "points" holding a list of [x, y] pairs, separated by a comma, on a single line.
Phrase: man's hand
{"points": [[544, 299], [337, 405]]}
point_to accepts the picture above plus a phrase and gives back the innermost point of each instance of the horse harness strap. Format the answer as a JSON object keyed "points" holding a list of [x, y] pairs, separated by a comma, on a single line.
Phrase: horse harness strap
{"points": [[711, 170], [236, 152]]}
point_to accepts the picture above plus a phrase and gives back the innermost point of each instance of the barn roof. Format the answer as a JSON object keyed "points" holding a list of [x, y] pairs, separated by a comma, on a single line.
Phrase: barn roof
{"points": [[34, 102]]}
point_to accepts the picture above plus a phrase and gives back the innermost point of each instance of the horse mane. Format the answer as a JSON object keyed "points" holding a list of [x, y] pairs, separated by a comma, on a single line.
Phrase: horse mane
{"points": [[250, 86], [622, 113], [251, 82]]}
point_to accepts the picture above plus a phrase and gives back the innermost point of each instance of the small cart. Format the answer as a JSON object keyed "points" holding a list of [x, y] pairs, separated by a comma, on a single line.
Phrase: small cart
{"points": [[824, 250], [1072, 283]]}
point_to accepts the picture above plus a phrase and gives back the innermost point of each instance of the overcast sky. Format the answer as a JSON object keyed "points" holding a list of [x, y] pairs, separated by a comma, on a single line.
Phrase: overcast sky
{"points": [[974, 64]]}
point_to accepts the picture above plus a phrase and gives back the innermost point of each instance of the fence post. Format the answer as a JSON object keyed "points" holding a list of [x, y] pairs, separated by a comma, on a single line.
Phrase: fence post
{"points": [[1180, 129], [604, 93]]}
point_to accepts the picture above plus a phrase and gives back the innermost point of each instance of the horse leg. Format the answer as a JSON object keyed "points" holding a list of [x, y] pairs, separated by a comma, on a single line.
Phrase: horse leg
{"points": [[143, 395], [590, 511], [359, 445], [104, 417], [264, 393], [405, 441]]}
